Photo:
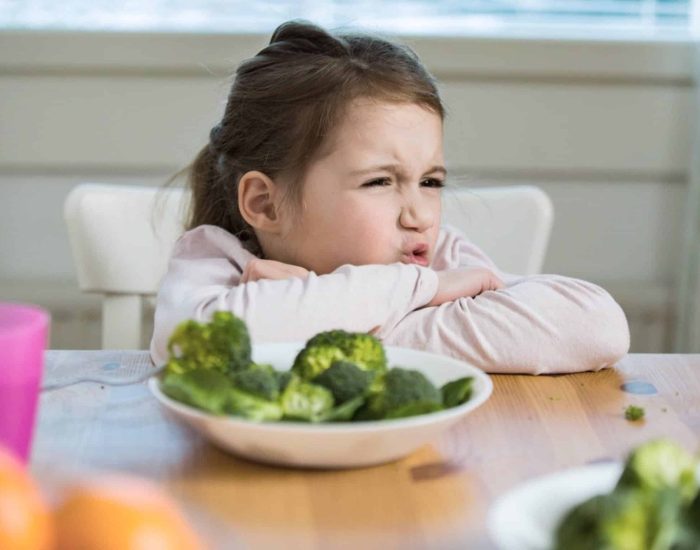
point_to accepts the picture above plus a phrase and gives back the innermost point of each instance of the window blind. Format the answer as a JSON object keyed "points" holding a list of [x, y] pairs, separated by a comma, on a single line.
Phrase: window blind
{"points": [[440, 17]]}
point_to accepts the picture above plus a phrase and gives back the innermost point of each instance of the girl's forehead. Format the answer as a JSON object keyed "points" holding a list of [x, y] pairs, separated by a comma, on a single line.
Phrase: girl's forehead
{"points": [[370, 125]]}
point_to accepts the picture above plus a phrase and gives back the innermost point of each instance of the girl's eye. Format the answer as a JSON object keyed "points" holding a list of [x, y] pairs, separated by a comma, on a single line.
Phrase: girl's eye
{"points": [[379, 182], [433, 182]]}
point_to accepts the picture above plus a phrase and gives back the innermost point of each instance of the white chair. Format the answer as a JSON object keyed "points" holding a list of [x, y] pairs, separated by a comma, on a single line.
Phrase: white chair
{"points": [[121, 237], [510, 224]]}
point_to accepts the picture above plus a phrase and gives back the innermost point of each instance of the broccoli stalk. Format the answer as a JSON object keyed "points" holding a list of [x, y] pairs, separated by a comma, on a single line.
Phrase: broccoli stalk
{"points": [[203, 388]]}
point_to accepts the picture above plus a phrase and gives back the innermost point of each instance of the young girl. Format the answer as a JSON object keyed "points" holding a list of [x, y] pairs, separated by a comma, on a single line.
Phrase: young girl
{"points": [[316, 206]]}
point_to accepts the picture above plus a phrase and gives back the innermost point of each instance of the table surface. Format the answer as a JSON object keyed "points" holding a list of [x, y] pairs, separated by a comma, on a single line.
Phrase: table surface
{"points": [[97, 414]]}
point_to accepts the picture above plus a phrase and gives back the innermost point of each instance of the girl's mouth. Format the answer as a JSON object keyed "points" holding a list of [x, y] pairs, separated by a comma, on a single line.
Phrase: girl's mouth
{"points": [[417, 254]]}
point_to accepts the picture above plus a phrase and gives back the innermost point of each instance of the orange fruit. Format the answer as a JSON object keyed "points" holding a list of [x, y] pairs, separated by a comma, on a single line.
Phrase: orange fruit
{"points": [[120, 512], [25, 520]]}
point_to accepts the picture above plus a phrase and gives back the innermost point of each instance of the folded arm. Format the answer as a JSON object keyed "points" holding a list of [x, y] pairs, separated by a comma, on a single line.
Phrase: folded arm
{"points": [[535, 324], [205, 277]]}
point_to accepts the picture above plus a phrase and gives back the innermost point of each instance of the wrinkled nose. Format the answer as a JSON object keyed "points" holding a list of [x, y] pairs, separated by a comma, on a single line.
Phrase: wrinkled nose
{"points": [[417, 214]]}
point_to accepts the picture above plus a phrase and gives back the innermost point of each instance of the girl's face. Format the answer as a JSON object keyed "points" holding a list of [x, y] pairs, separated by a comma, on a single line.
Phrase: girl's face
{"points": [[375, 198]]}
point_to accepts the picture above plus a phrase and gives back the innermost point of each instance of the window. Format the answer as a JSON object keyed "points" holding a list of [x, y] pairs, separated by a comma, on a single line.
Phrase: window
{"points": [[671, 18]]}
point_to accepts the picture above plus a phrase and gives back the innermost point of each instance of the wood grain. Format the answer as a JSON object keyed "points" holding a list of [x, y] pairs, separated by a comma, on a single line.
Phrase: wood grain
{"points": [[438, 497]]}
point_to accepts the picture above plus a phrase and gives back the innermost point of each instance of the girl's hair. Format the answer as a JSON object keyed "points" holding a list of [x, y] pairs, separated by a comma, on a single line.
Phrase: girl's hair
{"points": [[285, 102]]}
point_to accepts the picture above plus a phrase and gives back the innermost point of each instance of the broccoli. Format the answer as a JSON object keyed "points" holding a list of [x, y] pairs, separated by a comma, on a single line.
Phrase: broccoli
{"points": [[322, 350], [252, 407], [302, 400], [204, 388], [345, 380], [405, 393], [457, 391], [615, 521], [661, 464], [689, 535], [283, 378], [260, 380], [651, 507], [344, 412], [223, 344], [634, 413]]}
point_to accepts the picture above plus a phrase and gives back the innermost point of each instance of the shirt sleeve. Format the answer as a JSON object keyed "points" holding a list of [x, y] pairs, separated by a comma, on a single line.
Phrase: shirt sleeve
{"points": [[536, 324], [202, 279]]}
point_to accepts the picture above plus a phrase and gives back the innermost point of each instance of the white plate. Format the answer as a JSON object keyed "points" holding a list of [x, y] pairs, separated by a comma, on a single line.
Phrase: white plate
{"points": [[334, 445], [526, 517]]}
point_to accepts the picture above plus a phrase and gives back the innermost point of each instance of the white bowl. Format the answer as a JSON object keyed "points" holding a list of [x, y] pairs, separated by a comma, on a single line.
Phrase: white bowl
{"points": [[334, 445], [526, 517]]}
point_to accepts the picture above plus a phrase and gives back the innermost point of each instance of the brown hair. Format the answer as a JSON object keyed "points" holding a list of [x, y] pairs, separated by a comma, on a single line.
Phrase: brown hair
{"points": [[284, 103]]}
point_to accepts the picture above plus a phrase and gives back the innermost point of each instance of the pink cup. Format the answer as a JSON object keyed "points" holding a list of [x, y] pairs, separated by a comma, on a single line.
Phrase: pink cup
{"points": [[23, 335]]}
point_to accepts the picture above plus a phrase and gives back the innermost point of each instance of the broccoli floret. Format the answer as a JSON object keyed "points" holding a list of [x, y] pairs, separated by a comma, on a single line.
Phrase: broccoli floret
{"points": [[260, 380], [405, 393], [223, 344], [345, 380], [661, 464], [322, 350], [618, 520], [633, 413], [252, 407], [457, 391], [203, 388], [305, 401]]}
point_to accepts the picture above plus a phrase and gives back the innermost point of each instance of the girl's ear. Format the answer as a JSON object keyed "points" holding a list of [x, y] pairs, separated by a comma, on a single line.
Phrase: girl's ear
{"points": [[258, 196]]}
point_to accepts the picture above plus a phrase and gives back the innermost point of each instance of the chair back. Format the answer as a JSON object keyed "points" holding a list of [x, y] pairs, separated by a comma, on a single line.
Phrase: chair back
{"points": [[510, 224], [122, 236]]}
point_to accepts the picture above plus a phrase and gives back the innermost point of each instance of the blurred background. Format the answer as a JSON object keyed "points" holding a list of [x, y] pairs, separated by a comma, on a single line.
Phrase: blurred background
{"points": [[595, 101]]}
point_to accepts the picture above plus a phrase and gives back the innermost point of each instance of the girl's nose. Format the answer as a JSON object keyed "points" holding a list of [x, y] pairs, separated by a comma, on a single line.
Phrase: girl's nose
{"points": [[417, 215]]}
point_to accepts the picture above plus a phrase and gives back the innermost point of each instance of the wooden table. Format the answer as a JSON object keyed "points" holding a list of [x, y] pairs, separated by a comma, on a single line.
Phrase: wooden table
{"points": [[436, 498]]}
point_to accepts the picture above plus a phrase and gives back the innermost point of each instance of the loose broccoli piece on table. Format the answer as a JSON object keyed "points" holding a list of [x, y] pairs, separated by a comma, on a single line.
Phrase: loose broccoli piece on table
{"points": [[345, 380], [305, 401], [223, 344], [260, 380], [634, 413], [252, 407], [325, 348], [204, 388], [457, 391], [405, 393], [661, 464]]}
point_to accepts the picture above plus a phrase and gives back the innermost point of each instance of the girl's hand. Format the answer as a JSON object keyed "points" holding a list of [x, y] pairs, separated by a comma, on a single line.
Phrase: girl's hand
{"points": [[269, 269], [464, 282]]}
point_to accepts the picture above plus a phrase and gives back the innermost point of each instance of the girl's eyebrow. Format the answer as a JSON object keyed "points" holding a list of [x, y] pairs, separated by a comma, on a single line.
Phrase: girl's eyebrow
{"points": [[396, 170]]}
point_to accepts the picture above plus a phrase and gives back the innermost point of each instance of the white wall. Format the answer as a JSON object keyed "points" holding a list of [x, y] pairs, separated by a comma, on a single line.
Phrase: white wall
{"points": [[602, 126]]}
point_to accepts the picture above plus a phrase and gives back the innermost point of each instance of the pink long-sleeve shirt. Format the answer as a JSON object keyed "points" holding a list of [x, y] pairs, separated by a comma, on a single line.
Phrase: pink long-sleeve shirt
{"points": [[536, 324]]}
